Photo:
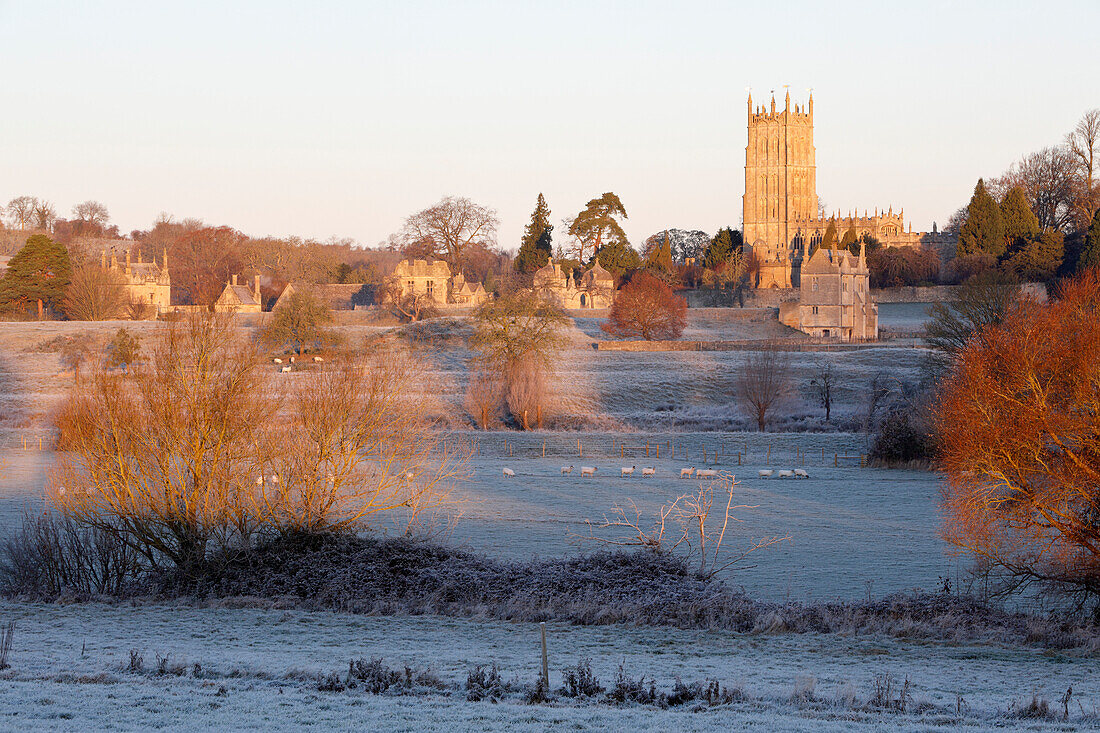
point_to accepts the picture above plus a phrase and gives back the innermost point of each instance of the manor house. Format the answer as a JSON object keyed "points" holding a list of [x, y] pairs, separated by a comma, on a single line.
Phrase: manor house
{"points": [[595, 289], [146, 283], [834, 298], [432, 279], [782, 224]]}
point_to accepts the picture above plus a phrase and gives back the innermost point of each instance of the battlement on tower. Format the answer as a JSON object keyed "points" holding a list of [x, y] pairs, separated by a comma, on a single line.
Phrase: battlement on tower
{"points": [[798, 115]]}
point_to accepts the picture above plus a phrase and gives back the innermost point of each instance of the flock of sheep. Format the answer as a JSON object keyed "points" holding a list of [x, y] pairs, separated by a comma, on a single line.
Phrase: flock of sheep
{"points": [[590, 471], [290, 367]]}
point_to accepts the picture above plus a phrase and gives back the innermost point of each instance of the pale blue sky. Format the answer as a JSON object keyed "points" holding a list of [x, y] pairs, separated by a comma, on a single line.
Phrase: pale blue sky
{"points": [[323, 119]]}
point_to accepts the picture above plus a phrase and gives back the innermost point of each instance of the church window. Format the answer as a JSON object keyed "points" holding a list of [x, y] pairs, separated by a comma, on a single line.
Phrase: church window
{"points": [[814, 281], [815, 310], [412, 286], [431, 288]]}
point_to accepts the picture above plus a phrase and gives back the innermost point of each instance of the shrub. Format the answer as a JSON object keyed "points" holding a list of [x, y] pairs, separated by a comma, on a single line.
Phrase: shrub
{"points": [[95, 294], [902, 438], [123, 350], [580, 681], [646, 308]]}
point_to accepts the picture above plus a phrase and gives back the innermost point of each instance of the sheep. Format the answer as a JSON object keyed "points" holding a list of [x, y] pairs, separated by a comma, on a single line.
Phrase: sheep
{"points": [[687, 472], [509, 472], [277, 360], [765, 473], [706, 473], [588, 471], [565, 470], [649, 471], [317, 359], [785, 473], [801, 473], [624, 471], [285, 369]]}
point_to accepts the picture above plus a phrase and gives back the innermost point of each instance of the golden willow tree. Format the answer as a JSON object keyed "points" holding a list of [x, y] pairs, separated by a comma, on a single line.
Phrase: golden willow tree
{"points": [[1018, 420], [204, 449]]}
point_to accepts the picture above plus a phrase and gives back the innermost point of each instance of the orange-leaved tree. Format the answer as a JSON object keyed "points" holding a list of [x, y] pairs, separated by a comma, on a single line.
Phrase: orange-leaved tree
{"points": [[1019, 428], [647, 307]]}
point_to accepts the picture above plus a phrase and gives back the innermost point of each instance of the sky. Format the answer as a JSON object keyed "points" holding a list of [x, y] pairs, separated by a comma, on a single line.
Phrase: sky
{"points": [[329, 119]]}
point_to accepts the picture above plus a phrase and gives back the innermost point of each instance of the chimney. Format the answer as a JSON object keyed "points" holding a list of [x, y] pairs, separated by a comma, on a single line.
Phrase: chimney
{"points": [[256, 289], [233, 279], [127, 262]]}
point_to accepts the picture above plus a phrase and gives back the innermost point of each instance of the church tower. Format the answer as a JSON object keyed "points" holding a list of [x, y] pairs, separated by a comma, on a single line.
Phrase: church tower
{"points": [[780, 185]]}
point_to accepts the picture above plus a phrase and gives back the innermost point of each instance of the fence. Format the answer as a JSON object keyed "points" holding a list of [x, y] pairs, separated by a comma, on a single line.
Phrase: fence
{"points": [[809, 343], [726, 452]]}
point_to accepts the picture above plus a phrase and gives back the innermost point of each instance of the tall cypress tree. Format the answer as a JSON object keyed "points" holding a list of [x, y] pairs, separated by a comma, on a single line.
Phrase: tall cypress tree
{"points": [[535, 247], [984, 228], [1020, 224], [660, 258], [721, 246], [829, 240], [850, 238], [39, 271]]}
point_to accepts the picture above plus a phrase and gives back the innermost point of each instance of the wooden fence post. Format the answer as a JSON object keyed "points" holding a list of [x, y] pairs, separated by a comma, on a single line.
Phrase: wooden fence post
{"points": [[545, 663], [580, 450]]}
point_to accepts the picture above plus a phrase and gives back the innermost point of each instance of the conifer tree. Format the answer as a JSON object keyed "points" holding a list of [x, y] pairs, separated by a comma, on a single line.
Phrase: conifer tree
{"points": [[1019, 221], [983, 230], [721, 246], [1090, 254], [829, 240], [660, 258], [40, 271], [617, 257], [850, 238], [535, 248]]}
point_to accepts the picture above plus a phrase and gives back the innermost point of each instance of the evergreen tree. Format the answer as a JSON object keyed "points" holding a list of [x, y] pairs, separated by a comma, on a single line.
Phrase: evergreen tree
{"points": [[1090, 254], [722, 245], [1038, 258], [983, 230], [660, 258], [598, 225], [535, 248], [617, 257], [850, 238], [1019, 221], [829, 240], [40, 271]]}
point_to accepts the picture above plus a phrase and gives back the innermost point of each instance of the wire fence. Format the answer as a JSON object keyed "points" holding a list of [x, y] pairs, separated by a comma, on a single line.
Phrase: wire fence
{"points": [[690, 449]]}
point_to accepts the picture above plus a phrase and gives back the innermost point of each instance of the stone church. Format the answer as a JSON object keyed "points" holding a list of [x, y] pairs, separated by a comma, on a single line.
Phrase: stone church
{"points": [[781, 220], [147, 283]]}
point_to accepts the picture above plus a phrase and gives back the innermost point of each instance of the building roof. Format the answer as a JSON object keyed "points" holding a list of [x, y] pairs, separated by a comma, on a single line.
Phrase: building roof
{"points": [[239, 295], [831, 260], [422, 268], [339, 296]]}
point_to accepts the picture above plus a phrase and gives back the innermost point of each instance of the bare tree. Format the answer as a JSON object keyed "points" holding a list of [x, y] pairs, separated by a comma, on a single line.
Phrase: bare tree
{"points": [[484, 395], [21, 210], [689, 518], [451, 226], [1082, 143], [94, 294], [92, 212], [44, 215], [517, 335], [1048, 178], [822, 386], [763, 383], [526, 379], [195, 452]]}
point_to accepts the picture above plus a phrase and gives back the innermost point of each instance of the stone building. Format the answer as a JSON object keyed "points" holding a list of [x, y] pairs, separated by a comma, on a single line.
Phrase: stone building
{"points": [[781, 220], [147, 283], [432, 278], [239, 298], [834, 298], [338, 296], [595, 289]]}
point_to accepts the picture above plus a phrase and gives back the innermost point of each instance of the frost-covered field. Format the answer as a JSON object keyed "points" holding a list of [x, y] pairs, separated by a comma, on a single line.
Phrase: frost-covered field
{"points": [[854, 531], [260, 668]]}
